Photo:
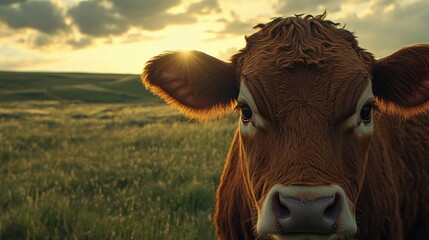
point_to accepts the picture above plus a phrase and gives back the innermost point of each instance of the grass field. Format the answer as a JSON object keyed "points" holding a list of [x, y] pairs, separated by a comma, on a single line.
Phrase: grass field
{"points": [[75, 169]]}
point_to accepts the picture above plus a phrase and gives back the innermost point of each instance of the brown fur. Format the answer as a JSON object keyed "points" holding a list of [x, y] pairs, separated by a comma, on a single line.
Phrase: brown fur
{"points": [[306, 75]]}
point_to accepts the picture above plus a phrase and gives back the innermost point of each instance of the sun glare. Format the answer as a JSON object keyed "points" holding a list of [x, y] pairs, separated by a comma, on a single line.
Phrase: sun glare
{"points": [[186, 59], [185, 54]]}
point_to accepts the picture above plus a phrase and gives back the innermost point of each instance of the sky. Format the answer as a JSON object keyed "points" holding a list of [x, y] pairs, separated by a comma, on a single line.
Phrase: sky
{"points": [[119, 36]]}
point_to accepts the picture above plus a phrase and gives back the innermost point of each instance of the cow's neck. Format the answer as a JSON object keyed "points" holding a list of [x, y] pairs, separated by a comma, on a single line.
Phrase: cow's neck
{"points": [[385, 173]]}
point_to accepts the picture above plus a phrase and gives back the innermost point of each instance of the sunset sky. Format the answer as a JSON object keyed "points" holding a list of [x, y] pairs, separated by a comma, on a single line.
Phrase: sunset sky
{"points": [[119, 36]]}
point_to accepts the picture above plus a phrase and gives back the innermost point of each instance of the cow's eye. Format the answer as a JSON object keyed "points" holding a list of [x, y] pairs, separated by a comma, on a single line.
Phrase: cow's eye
{"points": [[365, 113], [246, 113]]}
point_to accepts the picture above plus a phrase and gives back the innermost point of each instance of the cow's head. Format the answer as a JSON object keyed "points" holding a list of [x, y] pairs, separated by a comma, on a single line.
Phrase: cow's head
{"points": [[307, 96]]}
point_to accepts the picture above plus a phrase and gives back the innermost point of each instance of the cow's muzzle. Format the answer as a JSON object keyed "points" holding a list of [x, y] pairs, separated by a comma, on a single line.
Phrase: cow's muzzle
{"points": [[298, 212]]}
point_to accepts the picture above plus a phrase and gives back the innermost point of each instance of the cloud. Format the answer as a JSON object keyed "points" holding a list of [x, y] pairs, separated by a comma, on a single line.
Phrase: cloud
{"points": [[94, 19], [43, 16], [81, 43], [204, 7], [115, 17], [386, 27], [233, 27], [9, 2], [162, 20], [153, 15], [236, 26], [42, 41], [291, 7], [137, 37], [47, 42], [386, 31], [137, 9]]}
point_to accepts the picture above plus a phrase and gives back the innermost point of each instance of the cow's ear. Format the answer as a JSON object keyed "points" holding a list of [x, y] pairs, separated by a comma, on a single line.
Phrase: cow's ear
{"points": [[200, 86], [401, 80]]}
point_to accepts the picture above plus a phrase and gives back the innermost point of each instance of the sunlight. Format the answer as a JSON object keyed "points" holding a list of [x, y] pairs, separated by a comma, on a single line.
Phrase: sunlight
{"points": [[185, 55], [186, 59]]}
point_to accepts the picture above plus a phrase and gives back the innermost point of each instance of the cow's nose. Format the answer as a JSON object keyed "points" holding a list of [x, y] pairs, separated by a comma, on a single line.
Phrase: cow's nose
{"points": [[303, 214]]}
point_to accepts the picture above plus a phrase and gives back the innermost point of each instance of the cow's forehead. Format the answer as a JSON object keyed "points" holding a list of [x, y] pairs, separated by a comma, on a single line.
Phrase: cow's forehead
{"points": [[322, 92]]}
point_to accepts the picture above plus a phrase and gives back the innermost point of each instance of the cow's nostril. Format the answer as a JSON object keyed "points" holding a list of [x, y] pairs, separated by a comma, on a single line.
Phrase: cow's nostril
{"points": [[333, 210], [282, 208]]}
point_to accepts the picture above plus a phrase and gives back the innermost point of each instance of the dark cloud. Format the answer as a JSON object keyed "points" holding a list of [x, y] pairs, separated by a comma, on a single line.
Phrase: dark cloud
{"points": [[93, 18], [43, 16], [42, 41], [81, 43], [8, 2], [152, 14], [115, 17], [384, 32], [96, 18], [138, 9], [381, 32], [47, 42], [204, 7]]}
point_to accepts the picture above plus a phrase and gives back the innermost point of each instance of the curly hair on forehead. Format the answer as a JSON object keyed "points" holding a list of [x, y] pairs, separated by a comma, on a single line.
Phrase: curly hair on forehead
{"points": [[305, 39]]}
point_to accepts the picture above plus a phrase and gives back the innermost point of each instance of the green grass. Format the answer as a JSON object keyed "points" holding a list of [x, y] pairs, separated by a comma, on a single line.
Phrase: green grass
{"points": [[73, 170]]}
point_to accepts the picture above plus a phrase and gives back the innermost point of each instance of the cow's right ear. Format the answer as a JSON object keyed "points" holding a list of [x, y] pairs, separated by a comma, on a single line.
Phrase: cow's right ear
{"points": [[200, 86], [401, 81]]}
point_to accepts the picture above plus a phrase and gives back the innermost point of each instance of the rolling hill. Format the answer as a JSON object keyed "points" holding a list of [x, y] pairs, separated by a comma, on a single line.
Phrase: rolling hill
{"points": [[76, 87]]}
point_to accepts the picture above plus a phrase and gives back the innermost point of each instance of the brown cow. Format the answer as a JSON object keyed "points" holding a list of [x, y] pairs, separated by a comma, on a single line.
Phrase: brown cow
{"points": [[331, 144]]}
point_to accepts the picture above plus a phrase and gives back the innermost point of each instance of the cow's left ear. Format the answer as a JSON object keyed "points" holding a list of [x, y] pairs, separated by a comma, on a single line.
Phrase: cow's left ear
{"points": [[200, 86], [401, 80]]}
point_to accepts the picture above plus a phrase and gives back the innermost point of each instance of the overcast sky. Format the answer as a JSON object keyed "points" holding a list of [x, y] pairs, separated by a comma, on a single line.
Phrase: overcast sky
{"points": [[119, 36]]}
